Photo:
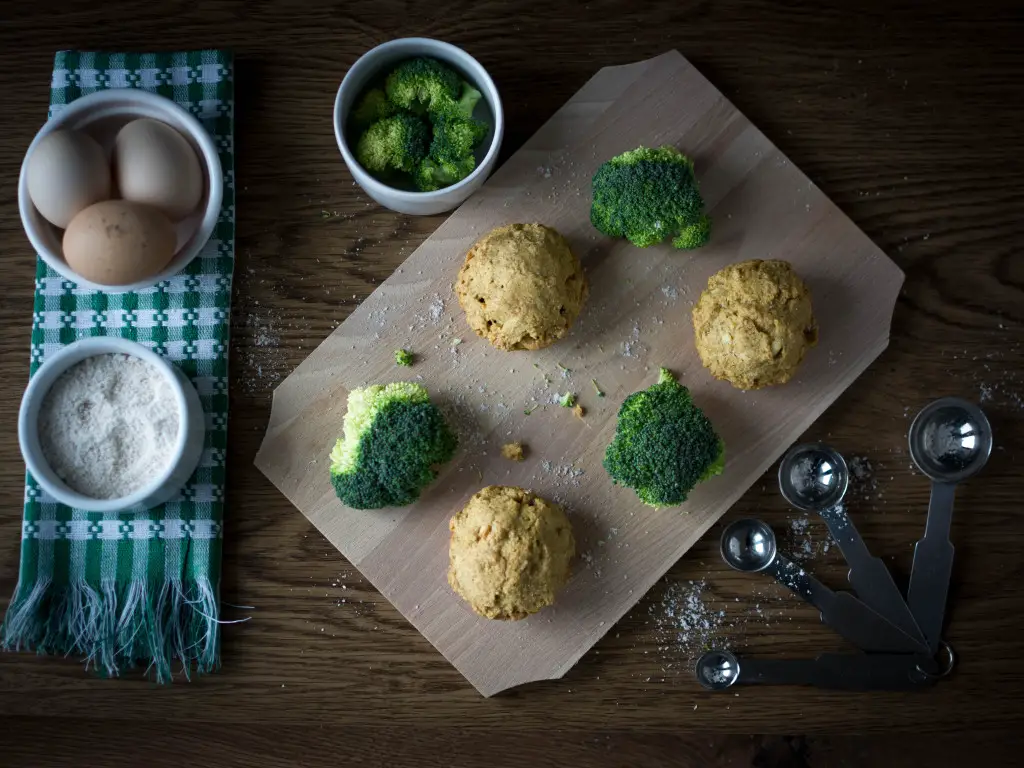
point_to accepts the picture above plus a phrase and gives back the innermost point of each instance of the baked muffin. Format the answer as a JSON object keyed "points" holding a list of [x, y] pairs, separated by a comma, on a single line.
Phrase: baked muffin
{"points": [[521, 287], [754, 323], [510, 552]]}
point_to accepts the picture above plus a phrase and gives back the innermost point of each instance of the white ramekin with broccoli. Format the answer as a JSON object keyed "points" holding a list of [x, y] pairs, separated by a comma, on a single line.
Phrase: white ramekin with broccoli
{"points": [[419, 123]]}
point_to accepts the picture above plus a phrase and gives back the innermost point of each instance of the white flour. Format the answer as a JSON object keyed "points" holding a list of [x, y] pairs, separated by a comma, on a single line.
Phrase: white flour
{"points": [[108, 425]]}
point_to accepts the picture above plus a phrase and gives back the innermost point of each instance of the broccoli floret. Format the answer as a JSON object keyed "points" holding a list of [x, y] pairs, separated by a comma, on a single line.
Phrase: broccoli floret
{"points": [[431, 174], [372, 107], [568, 400], [403, 357], [451, 158], [393, 438], [648, 195], [461, 108], [424, 85], [455, 138], [399, 142], [664, 444]]}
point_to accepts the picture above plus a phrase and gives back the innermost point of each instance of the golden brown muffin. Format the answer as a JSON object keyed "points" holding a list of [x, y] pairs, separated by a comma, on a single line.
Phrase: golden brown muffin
{"points": [[753, 323], [510, 552], [521, 287]]}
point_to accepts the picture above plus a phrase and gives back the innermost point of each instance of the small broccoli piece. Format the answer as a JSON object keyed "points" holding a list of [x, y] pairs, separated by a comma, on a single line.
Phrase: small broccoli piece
{"points": [[403, 357], [664, 444], [431, 174], [424, 85], [372, 107], [461, 108], [648, 195], [597, 389], [399, 142], [469, 99], [451, 153], [393, 438], [427, 86], [455, 138], [568, 400]]}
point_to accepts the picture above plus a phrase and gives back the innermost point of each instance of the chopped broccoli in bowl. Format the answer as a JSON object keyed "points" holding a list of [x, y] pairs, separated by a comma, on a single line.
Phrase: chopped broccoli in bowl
{"points": [[664, 445], [393, 438], [416, 129]]}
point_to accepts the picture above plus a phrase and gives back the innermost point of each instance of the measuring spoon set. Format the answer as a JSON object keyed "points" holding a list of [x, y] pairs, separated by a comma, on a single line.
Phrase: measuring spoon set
{"points": [[950, 441]]}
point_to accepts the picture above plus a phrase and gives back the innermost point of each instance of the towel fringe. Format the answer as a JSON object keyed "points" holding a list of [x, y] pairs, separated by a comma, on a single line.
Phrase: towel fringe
{"points": [[117, 626]]}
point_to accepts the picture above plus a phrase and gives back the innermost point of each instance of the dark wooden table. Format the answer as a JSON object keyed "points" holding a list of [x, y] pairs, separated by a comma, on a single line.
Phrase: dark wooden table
{"points": [[907, 114]]}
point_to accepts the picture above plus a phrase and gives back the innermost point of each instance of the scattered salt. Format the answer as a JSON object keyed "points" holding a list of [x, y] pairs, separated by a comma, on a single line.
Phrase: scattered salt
{"points": [[436, 309], [631, 347], [687, 622]]}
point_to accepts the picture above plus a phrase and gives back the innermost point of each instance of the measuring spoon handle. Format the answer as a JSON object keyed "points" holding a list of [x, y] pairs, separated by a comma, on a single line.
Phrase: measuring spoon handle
{"points": [[848, 672], [869, 576], [933, 566], [843, 612]]}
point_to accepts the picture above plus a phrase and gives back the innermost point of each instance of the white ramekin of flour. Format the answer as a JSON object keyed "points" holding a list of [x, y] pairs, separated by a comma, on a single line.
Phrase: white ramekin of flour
{"points": [[107, 425]]}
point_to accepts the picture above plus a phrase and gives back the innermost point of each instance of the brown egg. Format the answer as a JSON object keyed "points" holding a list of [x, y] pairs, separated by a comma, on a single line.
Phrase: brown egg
{"points": [[117, 242]]}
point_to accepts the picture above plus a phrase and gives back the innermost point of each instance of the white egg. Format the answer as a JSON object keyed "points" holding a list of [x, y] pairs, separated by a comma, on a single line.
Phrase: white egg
{"points": [[66, 173], [155, 165]]}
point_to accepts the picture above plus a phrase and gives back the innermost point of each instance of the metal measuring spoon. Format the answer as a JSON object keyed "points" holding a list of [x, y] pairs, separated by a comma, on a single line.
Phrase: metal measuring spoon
{"points": [[718, 670], [750, 546], [950, 440], [814, 477]]}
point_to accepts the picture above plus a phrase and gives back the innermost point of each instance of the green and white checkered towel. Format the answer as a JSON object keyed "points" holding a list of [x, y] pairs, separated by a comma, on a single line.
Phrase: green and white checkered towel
{"points": [[138, 588]]}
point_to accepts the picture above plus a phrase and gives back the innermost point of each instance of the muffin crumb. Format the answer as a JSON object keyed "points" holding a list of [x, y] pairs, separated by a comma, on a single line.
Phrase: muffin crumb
{"points": [[513, 451]]}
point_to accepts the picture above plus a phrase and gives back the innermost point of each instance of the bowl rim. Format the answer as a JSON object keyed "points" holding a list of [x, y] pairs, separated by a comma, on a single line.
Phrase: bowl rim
{"points": [[209, 160], [429, 44], [38, 387]]}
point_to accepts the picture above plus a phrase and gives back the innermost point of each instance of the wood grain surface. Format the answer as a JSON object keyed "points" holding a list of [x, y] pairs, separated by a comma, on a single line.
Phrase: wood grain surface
{"points": [[906, 115], [636, 319]]}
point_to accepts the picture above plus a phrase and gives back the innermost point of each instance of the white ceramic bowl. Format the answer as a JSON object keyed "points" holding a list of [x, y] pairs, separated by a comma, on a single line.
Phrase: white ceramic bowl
{"points": [[102, 115], [378, 61], [187, 450]]}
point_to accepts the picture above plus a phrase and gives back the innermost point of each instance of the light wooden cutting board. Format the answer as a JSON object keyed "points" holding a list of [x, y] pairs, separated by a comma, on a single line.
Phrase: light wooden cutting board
{"points": [[637, 319]]}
